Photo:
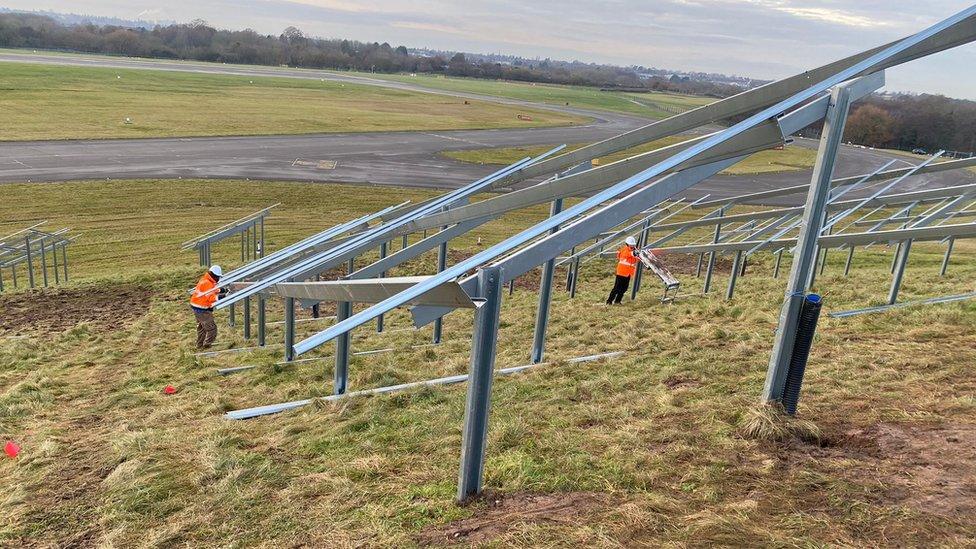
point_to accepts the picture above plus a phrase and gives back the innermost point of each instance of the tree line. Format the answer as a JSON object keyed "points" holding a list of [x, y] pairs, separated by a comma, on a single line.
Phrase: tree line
{"points": [[901, 121], [201, 42]]}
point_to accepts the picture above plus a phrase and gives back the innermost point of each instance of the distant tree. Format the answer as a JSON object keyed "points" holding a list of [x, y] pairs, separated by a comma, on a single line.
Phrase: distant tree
{"points": [[870, 125]]}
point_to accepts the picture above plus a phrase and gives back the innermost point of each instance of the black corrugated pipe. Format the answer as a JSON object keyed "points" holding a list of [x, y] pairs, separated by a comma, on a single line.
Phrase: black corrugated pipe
{"points": [[806, 326]]}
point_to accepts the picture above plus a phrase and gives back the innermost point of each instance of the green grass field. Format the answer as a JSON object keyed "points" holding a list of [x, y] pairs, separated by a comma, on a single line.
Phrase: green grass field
{"points": [[650, 105], [50, 102], [643, 450], [784, 160]]}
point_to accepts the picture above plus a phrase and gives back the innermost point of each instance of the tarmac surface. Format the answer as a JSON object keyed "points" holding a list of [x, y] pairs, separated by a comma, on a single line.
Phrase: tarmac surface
{"points": [[386, 158]]}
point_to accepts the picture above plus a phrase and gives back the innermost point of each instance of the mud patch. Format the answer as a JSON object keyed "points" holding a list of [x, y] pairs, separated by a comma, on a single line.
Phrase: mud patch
{"points": [[681, 382], [931, 468], [57, 310], [496, 515], [687, 264]]}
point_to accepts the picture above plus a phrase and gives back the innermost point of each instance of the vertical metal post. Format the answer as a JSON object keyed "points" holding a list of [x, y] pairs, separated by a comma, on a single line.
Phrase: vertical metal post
{"points": [[351, 266], [243, 246], [711, 257], [379, 319], [698, 268], [804, 257], [289, 329], [850, 258], [262, 321], [340, 376], [545, 295], [474, 435], [64, 260], [575, 267], [639, 274], [945, 260], [54, 255], [44, 261], [247, 318], [441, 265], [511, 286], [902, 261], [30, 262], [262, 238], [1, 280], [779, 261], [734, 274], [404, 242], [13, 272], [231, 317], [569, 270]]}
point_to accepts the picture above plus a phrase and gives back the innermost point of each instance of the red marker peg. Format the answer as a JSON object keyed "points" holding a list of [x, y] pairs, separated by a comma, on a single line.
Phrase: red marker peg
{"points": [[169, 390], [11, 449]]}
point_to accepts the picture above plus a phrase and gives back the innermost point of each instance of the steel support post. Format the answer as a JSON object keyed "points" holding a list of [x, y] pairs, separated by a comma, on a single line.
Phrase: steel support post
{"points": [[734, 275], [404, 242], [262, 321], [576, 268], [1, 280], [54, 256], [698, 268], [511, 286], [231, 316], [30, 262], [441, 265], [247, 318], [945, 260], [711, 257], [804, 256], [779, 262], [379, 319], [44, 262], [850, 259], [13, 273], [545, 296], [474, 435], [639, 274], [289, 329], [340, 377], [569, 271], [902, 261], [64, 260]]}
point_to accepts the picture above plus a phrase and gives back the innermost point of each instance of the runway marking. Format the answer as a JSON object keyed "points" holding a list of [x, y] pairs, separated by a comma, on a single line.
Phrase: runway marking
{"points": [[319, 164], [21, 163], [449, 138]]}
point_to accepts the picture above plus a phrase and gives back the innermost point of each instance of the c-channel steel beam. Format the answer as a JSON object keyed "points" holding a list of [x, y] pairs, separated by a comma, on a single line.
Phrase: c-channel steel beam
{"points": [[804, 258], [945, 260], [843, 181], [374, 236], [906, 245], [948, 34], [871, 63], [474, 435], [545, 296]]}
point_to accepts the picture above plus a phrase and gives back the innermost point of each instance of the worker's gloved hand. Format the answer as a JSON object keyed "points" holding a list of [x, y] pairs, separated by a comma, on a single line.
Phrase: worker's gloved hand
{"points": [[223, 292]]}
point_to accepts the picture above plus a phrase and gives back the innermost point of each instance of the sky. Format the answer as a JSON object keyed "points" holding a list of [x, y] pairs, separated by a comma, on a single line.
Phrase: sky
{"points": [[765, 39]]}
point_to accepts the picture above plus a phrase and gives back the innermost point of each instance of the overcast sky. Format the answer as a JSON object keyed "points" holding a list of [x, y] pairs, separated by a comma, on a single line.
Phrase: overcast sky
{"points": [[759, 38]]}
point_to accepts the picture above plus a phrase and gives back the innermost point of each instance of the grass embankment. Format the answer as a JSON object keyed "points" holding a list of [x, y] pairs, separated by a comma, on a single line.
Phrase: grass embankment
{"points": [[50, 102], [652, 439], [788, 159]]}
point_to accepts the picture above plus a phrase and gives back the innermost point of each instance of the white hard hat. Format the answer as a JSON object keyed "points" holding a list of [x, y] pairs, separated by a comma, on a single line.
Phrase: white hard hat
{"points": [[217, 270], [631, 241]]}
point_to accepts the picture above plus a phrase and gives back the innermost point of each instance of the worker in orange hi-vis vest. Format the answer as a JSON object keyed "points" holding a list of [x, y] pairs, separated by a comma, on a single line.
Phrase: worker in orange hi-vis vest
{"points": [[626, 267], [202, 301]]}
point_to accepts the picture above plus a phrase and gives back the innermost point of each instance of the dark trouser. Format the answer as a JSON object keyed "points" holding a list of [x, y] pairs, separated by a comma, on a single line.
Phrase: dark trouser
{"points": [[206, 328], [619, 289]]}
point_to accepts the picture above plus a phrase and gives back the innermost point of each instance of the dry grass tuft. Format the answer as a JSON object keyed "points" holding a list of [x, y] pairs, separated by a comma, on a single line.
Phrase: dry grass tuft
{"points": [[770, 422]]}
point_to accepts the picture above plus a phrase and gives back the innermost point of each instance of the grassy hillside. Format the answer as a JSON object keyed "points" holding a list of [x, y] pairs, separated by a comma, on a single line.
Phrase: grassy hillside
{"points": [[50, 102], [646, 449]]}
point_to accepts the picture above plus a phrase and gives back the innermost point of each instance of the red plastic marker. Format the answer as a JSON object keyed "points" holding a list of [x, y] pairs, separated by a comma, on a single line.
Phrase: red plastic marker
{"points": [[11, 449], [169, 390]]}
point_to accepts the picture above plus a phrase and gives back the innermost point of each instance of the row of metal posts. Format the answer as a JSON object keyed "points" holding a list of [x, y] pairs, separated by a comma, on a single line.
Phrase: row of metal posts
{"points": [[60, 271]]}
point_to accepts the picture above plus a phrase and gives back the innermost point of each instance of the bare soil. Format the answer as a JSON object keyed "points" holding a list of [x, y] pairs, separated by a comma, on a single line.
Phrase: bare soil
{"points": [[56, 310], [496, 514], [687, 264], [930, 468]]}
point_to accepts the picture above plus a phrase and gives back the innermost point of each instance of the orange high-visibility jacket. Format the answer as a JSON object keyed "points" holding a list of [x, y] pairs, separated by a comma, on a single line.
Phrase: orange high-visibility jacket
{"points": [[626, 262], [200, 298]]}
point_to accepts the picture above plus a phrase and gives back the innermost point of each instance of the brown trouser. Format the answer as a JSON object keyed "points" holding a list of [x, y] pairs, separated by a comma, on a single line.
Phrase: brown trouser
{"points": [[206, 328]]}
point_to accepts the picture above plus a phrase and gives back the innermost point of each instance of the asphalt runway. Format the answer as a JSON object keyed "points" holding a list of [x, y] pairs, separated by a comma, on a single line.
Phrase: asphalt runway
{"points": [[385, 158]]}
